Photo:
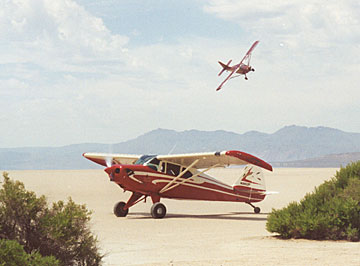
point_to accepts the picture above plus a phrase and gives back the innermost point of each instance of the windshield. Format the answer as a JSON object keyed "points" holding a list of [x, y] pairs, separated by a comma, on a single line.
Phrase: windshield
{"points": [[145, 158]]}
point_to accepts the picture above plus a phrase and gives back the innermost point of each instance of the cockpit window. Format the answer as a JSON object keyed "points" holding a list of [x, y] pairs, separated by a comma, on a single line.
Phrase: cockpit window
{"points": [[187, 174], [153, 164], [145, 158], [155, 161], [149, 160], [173, 169]]}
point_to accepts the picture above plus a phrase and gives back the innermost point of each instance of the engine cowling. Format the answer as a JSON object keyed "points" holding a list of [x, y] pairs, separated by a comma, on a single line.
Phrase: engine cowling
{"points": [[117, 173]]}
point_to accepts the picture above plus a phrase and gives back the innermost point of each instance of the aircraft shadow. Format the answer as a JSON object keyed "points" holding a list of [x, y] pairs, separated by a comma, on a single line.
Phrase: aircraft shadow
{"points": [[221, 216]]}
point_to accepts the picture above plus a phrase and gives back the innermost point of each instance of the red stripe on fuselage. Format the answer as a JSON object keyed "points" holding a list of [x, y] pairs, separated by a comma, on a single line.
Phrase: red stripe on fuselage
{"points": [[210, 189]]}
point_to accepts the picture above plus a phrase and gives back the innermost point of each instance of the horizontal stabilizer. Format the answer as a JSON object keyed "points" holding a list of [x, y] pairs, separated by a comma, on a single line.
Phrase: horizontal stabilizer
{"points": [[271, 192], [225, 67]]}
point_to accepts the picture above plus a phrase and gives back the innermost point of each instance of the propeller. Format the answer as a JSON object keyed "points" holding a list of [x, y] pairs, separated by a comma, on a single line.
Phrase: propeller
{"points": [[111, 171], [109, 161]]}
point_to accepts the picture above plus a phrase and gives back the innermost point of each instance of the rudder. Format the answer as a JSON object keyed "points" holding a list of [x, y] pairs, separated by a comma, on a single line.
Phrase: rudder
{"points": [[251, 179]]}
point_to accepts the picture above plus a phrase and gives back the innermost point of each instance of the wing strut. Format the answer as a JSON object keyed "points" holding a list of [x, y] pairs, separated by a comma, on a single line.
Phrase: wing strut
{"points": [[176, 178], [183, 181], [228, 77]]}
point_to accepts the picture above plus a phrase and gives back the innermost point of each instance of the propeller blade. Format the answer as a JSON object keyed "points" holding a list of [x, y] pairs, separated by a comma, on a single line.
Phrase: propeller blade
{"points": [[108, 161]]}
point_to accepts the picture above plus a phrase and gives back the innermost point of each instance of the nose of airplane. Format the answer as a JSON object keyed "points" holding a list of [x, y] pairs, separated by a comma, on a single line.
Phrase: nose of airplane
{"points": [[110, 170], [113, 171]]}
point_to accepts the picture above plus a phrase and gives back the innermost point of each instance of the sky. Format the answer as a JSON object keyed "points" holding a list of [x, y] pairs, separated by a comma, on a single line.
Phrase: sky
{"points": [[96, 71]]}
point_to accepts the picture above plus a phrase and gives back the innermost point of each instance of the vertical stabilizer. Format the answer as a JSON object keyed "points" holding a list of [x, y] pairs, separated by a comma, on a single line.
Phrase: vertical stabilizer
{"points": [[252, 178]]}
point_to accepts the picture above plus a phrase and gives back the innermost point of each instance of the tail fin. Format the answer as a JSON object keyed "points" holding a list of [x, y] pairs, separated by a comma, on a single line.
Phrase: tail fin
{"points": [[251, 183], [225, 67]]}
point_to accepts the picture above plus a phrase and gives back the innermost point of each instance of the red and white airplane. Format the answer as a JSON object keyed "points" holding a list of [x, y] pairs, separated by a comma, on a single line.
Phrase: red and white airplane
{"points": [[182, 177], [242, 68]]}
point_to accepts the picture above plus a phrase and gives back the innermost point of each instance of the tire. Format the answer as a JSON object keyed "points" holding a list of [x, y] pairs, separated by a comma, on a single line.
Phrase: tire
{"points": [[158, 210], [257, 210], [119, 209]]}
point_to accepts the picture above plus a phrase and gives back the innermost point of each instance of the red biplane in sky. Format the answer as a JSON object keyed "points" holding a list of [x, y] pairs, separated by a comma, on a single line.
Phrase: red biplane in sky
{"points": [[242, 68], [182, 177]]}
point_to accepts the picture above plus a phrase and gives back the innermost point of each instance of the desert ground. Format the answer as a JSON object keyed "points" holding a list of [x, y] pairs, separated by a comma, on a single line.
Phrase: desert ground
{"points": [[194, 232]]}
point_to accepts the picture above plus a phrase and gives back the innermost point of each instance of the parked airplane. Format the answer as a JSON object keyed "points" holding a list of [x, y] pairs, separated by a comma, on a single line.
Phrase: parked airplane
{"points": [[182, 176]]}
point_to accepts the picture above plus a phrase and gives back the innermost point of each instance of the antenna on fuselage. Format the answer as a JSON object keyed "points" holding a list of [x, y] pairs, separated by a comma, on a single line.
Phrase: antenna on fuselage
{"points": [[172, 149]]}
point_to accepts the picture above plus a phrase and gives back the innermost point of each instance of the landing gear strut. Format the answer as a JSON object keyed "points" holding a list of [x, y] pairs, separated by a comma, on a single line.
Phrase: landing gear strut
{"points": [[158, 210], [121, 208], [256, 209]]}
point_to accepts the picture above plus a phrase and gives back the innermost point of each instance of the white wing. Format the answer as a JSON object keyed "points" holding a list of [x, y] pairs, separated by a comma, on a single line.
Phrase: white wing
{"points": [[205, 160], [111, 158], [208, 159]]}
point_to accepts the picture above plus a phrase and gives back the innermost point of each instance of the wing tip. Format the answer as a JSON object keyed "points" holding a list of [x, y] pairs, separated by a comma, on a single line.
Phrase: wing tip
{"points": [[250, 159]]}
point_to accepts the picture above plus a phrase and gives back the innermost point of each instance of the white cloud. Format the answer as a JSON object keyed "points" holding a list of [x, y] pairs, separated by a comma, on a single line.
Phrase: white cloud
{"points": [[88, 84], [62, 31], [303, 26]]}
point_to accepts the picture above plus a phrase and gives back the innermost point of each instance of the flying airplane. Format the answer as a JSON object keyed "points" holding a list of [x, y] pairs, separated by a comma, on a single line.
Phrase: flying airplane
{"points": [[182, 176], [242, 68]]}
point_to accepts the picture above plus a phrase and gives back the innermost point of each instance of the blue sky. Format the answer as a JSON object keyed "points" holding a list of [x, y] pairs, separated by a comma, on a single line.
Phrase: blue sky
{"points": [[75, 71]]}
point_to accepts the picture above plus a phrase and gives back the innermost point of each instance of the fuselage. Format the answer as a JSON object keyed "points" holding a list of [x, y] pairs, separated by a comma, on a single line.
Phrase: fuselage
{"points": [[244, 69], [193, 185], [240, 68]]}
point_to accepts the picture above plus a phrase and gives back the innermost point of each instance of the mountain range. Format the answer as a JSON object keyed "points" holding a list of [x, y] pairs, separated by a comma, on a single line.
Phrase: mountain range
{"points": [[293, 146]]}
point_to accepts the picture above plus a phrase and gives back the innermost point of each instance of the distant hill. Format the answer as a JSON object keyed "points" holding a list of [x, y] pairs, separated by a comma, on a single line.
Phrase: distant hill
{"points": [[289, 144], [331, 160]]}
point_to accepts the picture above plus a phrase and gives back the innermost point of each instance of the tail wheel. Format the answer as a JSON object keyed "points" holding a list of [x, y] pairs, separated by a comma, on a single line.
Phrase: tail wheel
{"points": [[158, 210], [119, 209], [256, 209]]}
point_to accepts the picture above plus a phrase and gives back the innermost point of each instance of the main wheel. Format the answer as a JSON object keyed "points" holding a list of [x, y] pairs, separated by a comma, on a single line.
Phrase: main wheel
{"points": [[158, 210], [257, 210], [119, 209]]}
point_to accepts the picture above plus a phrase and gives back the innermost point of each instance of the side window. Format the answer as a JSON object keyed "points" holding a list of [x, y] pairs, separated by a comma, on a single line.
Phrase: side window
{"points": [[153, 164], [172, 169], [163, 167], [155, 161], [187, 174]]}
